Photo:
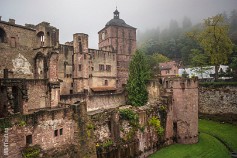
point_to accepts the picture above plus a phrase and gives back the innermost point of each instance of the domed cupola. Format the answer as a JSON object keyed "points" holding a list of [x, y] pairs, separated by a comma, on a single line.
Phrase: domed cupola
{"points": [[116, 21]]}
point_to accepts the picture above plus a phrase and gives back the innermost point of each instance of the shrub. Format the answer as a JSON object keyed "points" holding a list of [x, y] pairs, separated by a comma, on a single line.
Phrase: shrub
{"points": [[128, 114], [31, 152], [107, 143], [155, 122]]}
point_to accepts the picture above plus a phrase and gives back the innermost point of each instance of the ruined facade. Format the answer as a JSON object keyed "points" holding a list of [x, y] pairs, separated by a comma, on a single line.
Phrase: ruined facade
{"points": [[66, 98]]}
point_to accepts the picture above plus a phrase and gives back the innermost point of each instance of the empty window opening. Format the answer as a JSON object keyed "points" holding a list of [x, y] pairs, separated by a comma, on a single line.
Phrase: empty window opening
{"points": [[41, 38], [108, 68], [167, 84], [61, 131], [80, 67], [29, 139], [101, 67], [2, 36], [55, 133], [106, 82], [80, 47]]}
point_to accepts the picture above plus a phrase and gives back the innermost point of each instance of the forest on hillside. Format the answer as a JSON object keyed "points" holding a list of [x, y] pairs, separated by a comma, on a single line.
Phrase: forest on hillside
{"points": [[174, 42]]}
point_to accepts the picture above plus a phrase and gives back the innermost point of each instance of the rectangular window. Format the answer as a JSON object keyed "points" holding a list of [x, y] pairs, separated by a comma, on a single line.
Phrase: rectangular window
{"points": [[101, 67], [108, 68], [61, 131], [29, 139], [55, 133], [80, 67]]}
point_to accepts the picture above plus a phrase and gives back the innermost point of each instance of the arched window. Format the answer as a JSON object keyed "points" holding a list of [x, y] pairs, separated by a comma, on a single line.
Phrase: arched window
{"points": [[40, 36], [2, 36]]}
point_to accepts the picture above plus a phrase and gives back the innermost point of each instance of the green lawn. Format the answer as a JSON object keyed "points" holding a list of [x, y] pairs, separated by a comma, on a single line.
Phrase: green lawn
{"points": [[208, 146], [225, 132]]}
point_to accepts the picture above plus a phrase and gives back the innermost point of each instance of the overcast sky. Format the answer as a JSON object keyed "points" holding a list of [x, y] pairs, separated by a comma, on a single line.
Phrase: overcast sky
{"points": [[90, 16]]}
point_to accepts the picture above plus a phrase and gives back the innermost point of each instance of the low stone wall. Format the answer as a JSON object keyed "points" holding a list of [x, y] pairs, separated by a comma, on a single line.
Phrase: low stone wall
{"points": [[218, 100], [218, 103], [105, 101]]}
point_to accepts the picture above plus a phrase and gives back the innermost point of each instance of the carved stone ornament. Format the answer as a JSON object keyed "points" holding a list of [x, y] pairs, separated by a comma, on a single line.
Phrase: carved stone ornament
{"points": [[21, 65]]}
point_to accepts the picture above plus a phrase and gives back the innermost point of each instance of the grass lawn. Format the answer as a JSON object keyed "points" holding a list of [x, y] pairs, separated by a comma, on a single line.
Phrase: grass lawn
{"points": [[225, 132], [208, 146]]}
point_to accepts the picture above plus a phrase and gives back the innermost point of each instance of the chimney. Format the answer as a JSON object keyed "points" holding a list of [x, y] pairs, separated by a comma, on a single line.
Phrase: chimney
{"points": [[12, 21], [5, 73], [0, 18]]}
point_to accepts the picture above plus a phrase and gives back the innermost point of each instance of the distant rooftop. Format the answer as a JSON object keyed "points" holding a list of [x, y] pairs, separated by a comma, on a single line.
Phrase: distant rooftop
{"points": [[167, 65]]}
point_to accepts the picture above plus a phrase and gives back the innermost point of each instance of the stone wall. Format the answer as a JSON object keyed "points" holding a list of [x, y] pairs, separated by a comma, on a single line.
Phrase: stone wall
{"points": [[105, 101], [118, 137], [38, 98], [49, 129], [218, 100]]}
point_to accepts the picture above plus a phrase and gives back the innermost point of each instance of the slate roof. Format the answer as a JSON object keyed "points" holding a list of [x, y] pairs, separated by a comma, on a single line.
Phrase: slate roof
{"points": [[116, 21]]}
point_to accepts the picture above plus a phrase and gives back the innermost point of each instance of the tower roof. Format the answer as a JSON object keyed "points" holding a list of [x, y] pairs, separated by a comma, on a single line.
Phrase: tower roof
{"points": [[116, 21]]}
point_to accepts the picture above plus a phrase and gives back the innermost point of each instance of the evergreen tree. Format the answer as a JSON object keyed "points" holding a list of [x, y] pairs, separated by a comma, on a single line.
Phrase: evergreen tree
{"points": [[139, 74]]}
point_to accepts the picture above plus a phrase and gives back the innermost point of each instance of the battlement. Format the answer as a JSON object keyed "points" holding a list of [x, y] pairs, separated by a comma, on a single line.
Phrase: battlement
{"points": [[180, 83]]}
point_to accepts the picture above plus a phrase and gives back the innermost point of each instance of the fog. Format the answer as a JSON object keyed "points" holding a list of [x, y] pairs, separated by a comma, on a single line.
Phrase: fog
{"points": [[90, 16]]}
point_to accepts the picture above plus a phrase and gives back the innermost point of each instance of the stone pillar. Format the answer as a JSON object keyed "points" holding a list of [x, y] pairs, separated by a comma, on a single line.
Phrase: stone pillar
{"points": [[54, 84]]}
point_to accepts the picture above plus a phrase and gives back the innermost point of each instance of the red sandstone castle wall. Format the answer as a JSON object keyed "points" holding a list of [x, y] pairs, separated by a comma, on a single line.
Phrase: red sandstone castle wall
{"points": [[42, 132]]}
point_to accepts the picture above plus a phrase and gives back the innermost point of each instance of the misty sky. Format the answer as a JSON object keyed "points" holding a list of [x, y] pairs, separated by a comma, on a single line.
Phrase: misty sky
{"points": [[90, 16]]}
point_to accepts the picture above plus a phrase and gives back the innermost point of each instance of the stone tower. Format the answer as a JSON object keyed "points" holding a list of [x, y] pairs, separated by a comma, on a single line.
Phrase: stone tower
{"points": [[119, 37], [184, 113], [80, 73]]}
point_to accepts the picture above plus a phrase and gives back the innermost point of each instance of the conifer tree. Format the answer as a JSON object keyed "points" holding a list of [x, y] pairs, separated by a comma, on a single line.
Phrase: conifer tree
{"points": [[139, 74]]}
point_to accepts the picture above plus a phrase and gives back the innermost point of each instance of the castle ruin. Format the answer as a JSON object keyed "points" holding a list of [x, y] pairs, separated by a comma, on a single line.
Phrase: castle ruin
{"points": [[66, 97]]}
